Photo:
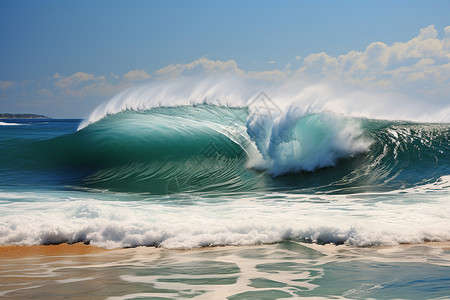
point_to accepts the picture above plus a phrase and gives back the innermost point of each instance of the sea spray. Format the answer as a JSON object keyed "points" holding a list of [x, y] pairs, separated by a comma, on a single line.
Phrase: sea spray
{"points": [[237, 91], [296, 141]]}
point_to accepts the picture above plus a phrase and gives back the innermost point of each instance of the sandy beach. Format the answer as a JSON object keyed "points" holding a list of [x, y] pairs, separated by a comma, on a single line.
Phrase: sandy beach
{"points": [[58, 271], [14, 251], [18, 251]]}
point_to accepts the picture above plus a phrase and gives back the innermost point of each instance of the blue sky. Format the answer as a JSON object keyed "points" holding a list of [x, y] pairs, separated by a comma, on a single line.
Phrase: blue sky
{"points": [[44, 42]]}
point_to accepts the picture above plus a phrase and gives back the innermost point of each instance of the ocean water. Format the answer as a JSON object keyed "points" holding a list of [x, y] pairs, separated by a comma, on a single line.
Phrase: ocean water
{"points": [[295, 202]]}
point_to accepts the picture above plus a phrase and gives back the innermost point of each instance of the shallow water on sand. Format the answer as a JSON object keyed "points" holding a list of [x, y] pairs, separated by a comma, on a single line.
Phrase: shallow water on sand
{"points": [[286, 270]]}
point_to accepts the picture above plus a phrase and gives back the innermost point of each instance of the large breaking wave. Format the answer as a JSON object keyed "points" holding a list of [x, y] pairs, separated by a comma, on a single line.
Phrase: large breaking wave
{"points": [[219, 135], [204, 165], [209, 148]]}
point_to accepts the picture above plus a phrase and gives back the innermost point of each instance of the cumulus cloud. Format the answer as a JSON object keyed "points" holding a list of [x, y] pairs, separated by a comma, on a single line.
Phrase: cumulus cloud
{"points": [[423, 59], [77, 79], [420, 65], [136, 75], [45, 93], [83, 84], [415, 70], [201, 66], [6, 84]]}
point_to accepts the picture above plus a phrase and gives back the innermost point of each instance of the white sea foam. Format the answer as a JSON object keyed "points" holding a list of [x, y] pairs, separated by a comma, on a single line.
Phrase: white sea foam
{"points": [[297, 140], [10, 124], [409, 216]]}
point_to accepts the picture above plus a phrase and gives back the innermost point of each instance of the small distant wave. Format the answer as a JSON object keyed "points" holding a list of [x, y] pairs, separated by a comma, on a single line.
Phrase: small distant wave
{"points": [[10, 124]]}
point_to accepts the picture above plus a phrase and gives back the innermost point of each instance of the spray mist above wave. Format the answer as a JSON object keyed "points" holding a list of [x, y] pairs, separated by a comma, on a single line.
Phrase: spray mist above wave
{"points": [[237, 91], [180, 92]]}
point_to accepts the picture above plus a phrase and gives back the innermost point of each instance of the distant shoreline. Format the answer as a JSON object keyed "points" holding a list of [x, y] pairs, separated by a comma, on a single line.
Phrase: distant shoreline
{"points": [[22, 116]]}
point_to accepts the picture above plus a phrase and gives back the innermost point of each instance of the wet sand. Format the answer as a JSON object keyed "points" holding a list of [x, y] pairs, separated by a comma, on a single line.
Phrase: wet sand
{"points": [[15, 251], [82, 271]]}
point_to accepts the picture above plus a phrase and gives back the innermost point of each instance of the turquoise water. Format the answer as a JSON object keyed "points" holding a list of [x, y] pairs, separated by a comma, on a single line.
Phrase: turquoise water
{"points": [[279, 195]]}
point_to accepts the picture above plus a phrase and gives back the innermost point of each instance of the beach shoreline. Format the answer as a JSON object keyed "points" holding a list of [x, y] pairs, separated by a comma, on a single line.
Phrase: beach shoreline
{"points": [[283, 269], [20, 251], [64, 249]]}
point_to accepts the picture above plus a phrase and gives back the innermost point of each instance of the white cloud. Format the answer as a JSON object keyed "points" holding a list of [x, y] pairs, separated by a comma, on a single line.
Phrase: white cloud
{"points": [[6, 84], [420, 66], [136, 75], [272, 62], [201, 66], [83, 84], [45, 93], [318, 65], [76, 79], [415, 65]]}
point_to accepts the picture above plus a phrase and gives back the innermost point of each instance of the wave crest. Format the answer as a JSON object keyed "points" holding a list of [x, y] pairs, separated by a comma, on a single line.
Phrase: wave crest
{"points": [[296, 141]]}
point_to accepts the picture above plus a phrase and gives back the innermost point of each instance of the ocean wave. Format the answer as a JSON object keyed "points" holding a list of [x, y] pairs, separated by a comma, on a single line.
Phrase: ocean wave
{"points": [[219, 149], [302, 131], [10, 124]]}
